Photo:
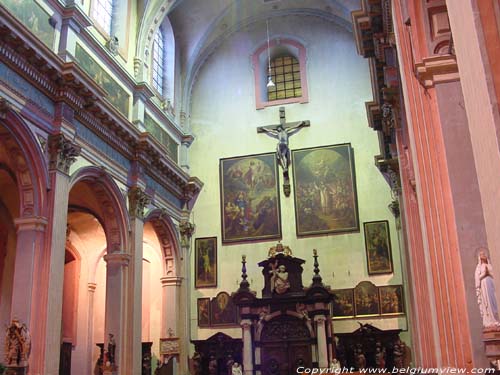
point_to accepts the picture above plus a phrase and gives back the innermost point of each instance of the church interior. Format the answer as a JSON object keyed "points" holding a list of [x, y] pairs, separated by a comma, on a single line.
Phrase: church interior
{"points": [[249, 187]]}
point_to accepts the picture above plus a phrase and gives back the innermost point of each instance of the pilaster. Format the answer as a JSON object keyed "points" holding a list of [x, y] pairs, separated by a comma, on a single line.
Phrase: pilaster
{"points": [[246, 326]]}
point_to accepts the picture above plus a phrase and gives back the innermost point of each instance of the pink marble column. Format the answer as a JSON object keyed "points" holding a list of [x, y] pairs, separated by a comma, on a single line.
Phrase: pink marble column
{"points": [[246, 325], [90, 328], [116, 302], [27, 298], [63, 154], [171, 289], [138, 200]]}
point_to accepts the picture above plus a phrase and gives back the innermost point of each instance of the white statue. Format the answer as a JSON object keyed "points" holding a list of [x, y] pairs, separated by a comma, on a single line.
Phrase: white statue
{"points": [[279, 278], [236, 370], [485, 291]]}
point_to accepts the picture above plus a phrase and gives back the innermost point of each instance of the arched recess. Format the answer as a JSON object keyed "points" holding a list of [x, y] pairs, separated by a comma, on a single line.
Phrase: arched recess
{"points": [[24, 286], [160, 237], [97, 220], [104, 198], [23, 155]]}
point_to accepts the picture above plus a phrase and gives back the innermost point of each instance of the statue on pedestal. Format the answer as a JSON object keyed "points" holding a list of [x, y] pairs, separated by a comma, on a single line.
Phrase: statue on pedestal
{"points": [[485, 291], [17, 344]]}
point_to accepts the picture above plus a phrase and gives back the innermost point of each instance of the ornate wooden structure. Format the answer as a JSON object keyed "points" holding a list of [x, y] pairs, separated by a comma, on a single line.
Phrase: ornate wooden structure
{"points": [[290, 326]]}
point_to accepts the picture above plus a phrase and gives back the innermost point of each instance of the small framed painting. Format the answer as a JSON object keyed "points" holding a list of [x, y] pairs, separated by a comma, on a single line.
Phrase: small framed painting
{"points": [[343, 304], [205, 262], [391, 300], [378, 247], [203, 312], [366, 299], [223, 311]]}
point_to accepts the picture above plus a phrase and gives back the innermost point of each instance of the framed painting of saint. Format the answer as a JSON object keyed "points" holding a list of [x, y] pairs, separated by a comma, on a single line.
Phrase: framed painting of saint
{"points": [[343, 304], [205, 262], [391, 300], [223, 311], [250, 206], [203, 312], [325, 190], [366, 299], [378, 247]]}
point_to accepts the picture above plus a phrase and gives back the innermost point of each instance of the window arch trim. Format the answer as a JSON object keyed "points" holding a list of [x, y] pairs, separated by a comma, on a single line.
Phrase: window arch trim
{"points": [[259, 62]]}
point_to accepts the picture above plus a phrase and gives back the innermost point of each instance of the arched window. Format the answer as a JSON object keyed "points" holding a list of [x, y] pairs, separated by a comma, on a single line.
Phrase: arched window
{"points": [[158, 63], [285, 73], [288, 73], [102, 13]]}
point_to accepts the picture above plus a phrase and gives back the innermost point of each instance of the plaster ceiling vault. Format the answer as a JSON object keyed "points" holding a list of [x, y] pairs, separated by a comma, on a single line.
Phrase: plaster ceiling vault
{"points": [[200, 26]]}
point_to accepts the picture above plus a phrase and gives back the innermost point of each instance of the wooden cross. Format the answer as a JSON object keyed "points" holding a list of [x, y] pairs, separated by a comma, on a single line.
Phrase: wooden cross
{"points": [[282, 132]]}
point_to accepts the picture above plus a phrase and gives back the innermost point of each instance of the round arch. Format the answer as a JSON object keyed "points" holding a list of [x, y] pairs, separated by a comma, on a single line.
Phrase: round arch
{"points": [[111, 205], [169, 241], [27, 161]]}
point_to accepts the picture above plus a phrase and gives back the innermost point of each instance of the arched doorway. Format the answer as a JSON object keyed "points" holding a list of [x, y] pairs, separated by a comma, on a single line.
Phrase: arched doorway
{"points": [[286, 345]]}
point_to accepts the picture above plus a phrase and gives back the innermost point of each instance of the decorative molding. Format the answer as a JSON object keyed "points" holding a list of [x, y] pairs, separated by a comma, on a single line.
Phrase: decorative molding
{"points": [[120, 259], [4, 108], [186, 230], [437, 69], [62, 153]]}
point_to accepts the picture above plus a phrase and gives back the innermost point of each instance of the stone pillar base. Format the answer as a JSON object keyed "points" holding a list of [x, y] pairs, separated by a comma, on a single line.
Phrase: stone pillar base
{"points": [[16, 371], [491, 340]]}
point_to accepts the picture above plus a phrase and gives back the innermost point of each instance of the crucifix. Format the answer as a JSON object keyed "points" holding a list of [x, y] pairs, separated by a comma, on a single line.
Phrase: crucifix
{"points": [[282, 132]]}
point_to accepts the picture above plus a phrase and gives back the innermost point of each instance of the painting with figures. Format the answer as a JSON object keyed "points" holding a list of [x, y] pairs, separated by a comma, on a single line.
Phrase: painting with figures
{"points": [[391, 300], [366, 299], [325, 190], [343, 304], [378, 247], [250, 198], [203, 312], [205, 262]]}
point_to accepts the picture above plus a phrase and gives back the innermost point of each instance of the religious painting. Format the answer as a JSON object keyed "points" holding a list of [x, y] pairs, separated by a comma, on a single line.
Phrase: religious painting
{"points": [[250, 198], [117, 96], [343, 304], [378, 247], [205, 262], [223, 311], [203, 312], [391, 300], [325, 190], [34, 17], [366, 299]]}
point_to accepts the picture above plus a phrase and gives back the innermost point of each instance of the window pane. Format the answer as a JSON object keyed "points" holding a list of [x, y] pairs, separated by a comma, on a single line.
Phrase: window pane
{"points": [[158, 61], [285, 71], [102, 12]]}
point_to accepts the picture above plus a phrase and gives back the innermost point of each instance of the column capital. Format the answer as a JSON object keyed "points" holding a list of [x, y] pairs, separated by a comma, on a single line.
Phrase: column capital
{"points": [[137, 201], [320, 319], [62, 152], [36, 223], [171, 281], [246, 324], [121, 259]]}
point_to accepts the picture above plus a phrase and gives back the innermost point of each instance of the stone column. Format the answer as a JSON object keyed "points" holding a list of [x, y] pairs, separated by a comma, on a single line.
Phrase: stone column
{"points": [[27, 294], [137, 202], [246, 325], [63, 154], [171, 289], [321, 337], [116, 301], [90, 328]]}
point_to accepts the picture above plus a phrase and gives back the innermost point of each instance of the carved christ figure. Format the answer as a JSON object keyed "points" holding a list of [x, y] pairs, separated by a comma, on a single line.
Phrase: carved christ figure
{"points": [[283, 134], [279, 278]]}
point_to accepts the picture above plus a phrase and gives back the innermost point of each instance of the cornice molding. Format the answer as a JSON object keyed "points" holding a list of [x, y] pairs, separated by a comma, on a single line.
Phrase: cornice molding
{"points": [[437, 69]]}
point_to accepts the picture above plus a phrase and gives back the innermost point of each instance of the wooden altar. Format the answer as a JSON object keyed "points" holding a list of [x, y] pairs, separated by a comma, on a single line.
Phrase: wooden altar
{"points": [[290, 326]]}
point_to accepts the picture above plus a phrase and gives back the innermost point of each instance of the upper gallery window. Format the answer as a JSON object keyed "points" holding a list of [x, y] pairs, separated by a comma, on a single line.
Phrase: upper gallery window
{"points": [[158, 63], [102, 12], [287, 60], [285, 73]]}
